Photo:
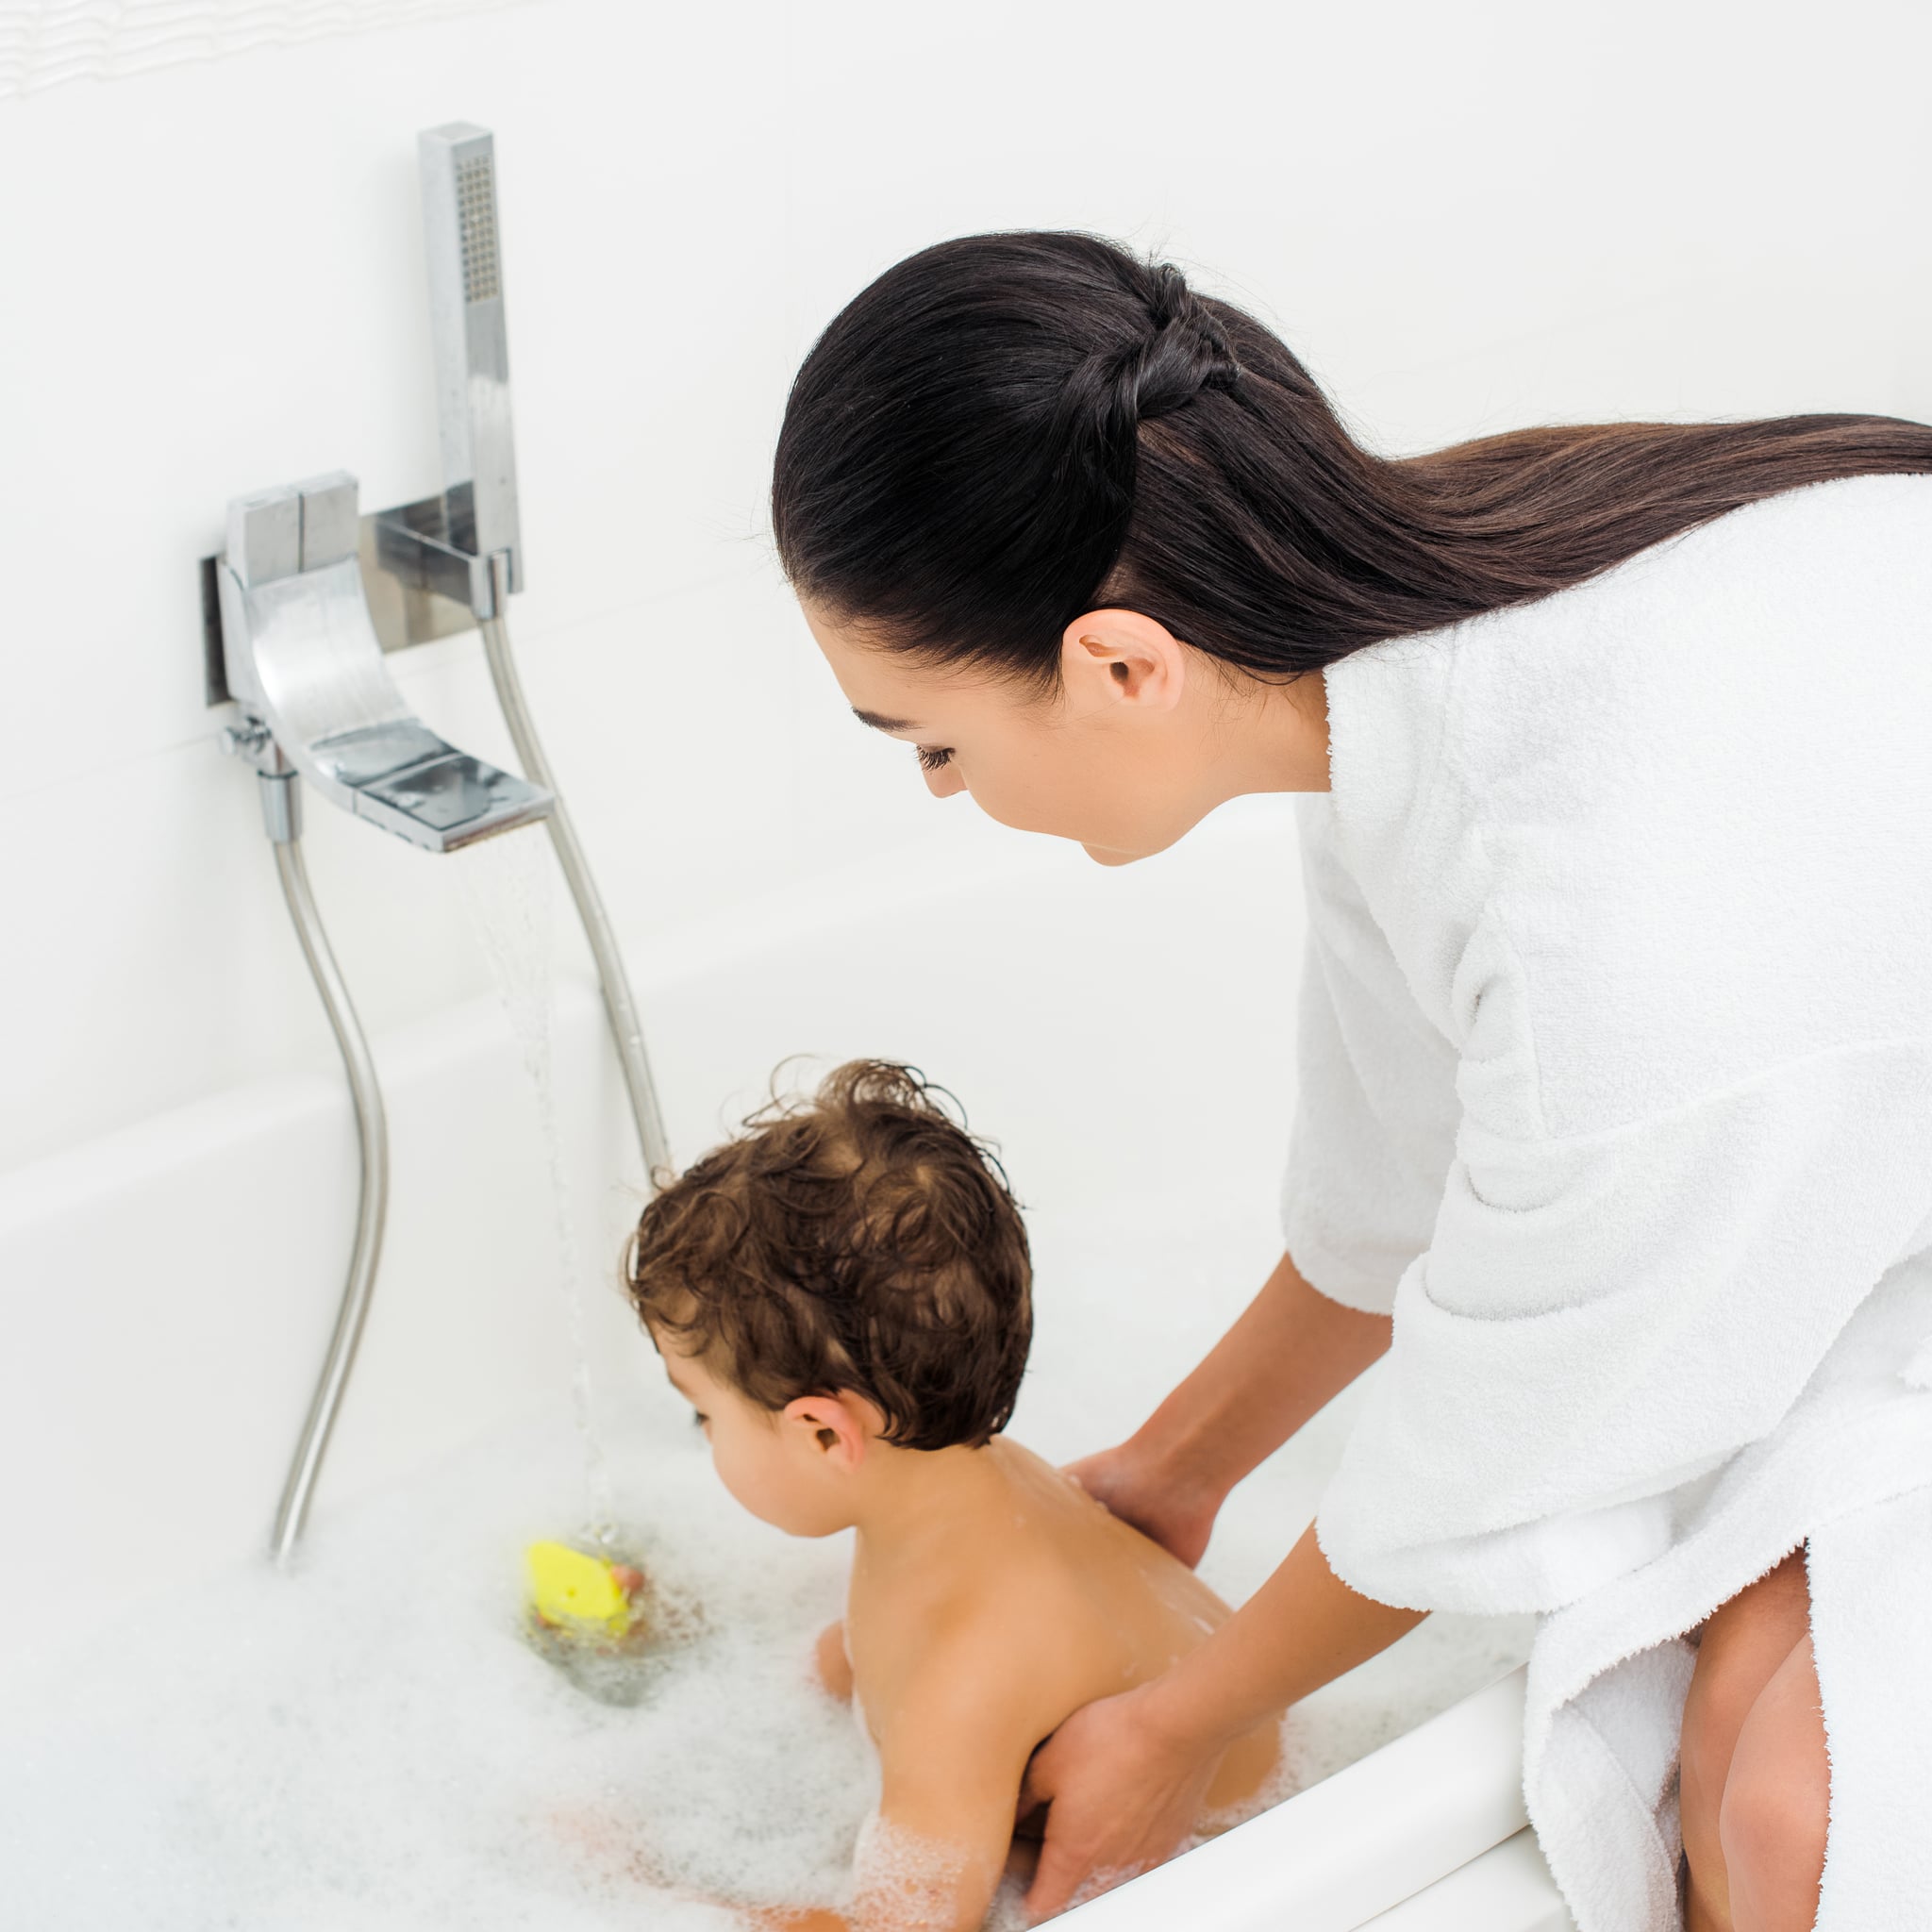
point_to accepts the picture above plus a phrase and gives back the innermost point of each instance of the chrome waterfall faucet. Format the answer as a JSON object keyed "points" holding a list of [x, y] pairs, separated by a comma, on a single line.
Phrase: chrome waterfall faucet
{"points": [[303, 663]]}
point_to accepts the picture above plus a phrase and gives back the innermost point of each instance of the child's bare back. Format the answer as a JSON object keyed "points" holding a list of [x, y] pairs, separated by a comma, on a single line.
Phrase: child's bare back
{"points": [[843, 1296], [1033, 1581]]}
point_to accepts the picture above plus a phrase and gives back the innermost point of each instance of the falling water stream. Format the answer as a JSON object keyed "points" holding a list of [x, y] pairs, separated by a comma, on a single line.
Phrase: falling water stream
{"points": [[508, 887]]}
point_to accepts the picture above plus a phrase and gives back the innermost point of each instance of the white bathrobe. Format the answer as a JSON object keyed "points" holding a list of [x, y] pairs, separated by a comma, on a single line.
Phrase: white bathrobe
{"points": [[1616, 1088]]}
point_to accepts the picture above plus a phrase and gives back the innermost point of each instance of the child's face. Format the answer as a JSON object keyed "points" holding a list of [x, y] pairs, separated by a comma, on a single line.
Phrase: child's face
{"points": [[777, 1465]]}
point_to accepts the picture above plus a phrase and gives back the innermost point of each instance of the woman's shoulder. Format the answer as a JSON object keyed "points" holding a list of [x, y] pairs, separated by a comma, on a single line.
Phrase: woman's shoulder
{"points": [[1713, 659], [1801, 565], [1667, 805], [1718, 657], [1882, 520], [1794, 566]]}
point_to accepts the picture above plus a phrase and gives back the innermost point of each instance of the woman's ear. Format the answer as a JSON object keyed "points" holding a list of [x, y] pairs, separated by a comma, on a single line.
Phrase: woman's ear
{"points": [[839, 1428], [1121, 657]]}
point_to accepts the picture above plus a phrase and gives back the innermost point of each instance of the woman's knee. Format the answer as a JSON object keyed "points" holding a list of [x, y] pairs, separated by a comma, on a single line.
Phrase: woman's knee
{"points": [[1771, 1826], [1740, 1647], [1772, 1817], [1723, 1691]]}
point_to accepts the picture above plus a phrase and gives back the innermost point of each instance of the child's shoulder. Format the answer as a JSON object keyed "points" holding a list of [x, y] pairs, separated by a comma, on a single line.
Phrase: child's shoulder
{"points": [[1022, 1570], [1012, 1597], [990, 1664], [1005, 1594]]}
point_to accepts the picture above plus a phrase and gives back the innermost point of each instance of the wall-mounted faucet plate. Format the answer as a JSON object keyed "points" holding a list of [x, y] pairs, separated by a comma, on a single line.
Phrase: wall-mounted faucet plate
{"points": [[301, 659], [402, 605]]}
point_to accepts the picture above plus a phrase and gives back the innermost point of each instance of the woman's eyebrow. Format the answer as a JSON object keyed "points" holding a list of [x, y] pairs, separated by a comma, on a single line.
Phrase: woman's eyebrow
{"points": [[879, 724]]}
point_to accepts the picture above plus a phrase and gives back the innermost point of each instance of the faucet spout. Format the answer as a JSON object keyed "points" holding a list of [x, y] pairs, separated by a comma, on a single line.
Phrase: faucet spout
{"points": [[302, 656]]}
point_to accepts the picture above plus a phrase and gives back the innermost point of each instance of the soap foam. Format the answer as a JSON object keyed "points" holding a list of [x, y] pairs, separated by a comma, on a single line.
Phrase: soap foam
{"points": [[901, 1881], [366, 1744]]}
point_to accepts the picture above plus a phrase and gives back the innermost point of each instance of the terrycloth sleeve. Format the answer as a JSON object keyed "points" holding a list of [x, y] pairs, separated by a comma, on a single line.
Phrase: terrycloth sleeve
{"points": [[1599, 1316], [1376, 1108]]}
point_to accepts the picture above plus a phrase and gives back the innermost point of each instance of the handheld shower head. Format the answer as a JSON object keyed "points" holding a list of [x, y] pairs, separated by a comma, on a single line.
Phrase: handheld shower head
{"points": [[466, 315]]}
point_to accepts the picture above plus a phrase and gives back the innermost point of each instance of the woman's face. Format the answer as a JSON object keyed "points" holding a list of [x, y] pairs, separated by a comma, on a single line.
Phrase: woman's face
{"points": [[1144, 737]]}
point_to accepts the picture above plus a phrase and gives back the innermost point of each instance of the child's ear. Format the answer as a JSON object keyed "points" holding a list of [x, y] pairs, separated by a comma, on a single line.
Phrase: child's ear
{"points": [[839, 1427]]}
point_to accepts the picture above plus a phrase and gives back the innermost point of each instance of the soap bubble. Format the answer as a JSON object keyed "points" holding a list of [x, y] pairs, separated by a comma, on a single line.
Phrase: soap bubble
{"points": [[903, 1881], [368, 1743]]}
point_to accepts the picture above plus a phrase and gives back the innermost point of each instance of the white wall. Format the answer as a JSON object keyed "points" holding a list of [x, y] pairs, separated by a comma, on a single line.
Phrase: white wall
{"points": [[1464, 217]]}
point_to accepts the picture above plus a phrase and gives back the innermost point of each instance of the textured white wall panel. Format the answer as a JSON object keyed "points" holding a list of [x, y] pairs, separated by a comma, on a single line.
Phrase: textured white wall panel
{"points": [[1462, 219], [43, 43]]}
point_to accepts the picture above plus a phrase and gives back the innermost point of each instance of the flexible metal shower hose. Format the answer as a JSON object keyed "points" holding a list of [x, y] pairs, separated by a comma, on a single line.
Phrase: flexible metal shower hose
{"points": [[281, 806], [372, 1127], [618, 1003]]}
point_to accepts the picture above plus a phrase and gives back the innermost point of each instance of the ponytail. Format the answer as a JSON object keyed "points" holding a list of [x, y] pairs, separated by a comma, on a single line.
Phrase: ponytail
{"points": [[1005, 431]]}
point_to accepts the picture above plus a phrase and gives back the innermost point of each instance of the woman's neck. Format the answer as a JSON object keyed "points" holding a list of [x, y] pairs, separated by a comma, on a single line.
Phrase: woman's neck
{"points": [[1269, 736]]}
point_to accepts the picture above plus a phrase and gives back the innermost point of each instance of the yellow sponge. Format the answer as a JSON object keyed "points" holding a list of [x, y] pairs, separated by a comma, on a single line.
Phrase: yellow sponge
{"points": [[575, 1591]]}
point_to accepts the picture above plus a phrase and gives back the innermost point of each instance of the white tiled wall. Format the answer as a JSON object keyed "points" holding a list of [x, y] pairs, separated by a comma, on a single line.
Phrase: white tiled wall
{"points": [[1463, 217]]}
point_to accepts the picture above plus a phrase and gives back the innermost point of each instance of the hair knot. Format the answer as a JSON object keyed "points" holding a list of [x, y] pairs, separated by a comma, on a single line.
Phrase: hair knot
{"points": [[1109, 394], [1188, 352]]}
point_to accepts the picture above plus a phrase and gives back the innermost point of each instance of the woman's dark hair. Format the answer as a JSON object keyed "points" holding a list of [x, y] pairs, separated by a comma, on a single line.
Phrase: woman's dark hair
{"points": [[1007, 430], [859, 1239]]}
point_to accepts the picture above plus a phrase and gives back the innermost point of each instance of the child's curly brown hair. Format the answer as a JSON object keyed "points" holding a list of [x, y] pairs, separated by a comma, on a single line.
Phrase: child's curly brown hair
{"points": [[858, 1240]]}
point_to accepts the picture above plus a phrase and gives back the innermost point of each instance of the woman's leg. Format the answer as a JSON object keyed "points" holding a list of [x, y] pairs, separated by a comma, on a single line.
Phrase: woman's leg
{"points": [[1772, 1820], [1742, 1645]]}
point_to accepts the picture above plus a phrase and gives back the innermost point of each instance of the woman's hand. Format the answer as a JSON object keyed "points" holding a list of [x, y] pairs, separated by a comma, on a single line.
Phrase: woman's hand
{"points": [[1124, 1778], [1178, 1515], [1290, 1353], [1124, 1791]]}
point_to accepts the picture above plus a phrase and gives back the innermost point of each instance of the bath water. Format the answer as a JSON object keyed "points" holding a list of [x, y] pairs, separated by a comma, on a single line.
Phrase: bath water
{"points": [[368, 1745]]}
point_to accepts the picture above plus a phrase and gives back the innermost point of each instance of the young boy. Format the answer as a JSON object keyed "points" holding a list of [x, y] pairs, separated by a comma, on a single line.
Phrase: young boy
{"points": [[842, 1293]]}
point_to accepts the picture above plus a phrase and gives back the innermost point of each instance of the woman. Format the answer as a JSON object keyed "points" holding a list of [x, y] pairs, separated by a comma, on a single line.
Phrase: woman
{"points": [[1613, 748]]}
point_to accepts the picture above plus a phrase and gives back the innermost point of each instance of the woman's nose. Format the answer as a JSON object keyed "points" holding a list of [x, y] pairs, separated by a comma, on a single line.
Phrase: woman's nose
{"points": [[944, 782]]}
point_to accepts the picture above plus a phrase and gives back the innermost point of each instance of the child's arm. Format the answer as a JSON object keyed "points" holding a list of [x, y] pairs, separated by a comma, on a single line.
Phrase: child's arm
{"points": [[834, 1667], [933, 1856], [951, 1761]]}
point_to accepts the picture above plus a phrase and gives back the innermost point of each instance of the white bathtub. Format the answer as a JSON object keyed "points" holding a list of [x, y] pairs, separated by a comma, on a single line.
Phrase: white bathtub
{"points": [[1127, 1036]]}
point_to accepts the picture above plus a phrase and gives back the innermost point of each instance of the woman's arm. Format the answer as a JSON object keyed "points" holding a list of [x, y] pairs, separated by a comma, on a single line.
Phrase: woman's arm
{"points": [[1125, 1776], [1292, 1351]]}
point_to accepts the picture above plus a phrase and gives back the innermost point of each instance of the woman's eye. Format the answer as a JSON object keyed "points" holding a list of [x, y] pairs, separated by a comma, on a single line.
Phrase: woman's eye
{"points": [[931, 758], [698, 1421]]}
